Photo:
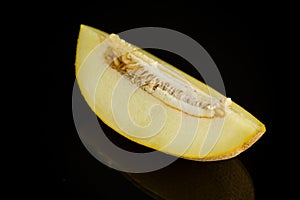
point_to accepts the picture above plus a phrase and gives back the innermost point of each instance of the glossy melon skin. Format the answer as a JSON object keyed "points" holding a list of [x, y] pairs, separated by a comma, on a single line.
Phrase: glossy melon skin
{"points": [[146, 120]]}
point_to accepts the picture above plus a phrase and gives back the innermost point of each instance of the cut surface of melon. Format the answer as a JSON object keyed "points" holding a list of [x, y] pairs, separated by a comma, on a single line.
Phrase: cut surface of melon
{"points": [[156, 105]]}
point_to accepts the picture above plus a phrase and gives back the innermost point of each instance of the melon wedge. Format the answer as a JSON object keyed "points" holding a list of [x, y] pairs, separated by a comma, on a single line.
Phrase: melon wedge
{"points": [[156, 105]]}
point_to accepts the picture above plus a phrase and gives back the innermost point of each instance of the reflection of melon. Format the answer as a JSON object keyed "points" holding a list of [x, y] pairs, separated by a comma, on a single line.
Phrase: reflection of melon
{"points": [[156, 105], [185, 179]]}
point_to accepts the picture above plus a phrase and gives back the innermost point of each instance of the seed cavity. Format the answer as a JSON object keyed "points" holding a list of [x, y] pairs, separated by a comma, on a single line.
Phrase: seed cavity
{"points": [[175, 93]]}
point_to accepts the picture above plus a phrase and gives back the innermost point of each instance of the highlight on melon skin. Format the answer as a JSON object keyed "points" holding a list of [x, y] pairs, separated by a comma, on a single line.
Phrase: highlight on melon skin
{"points": [[156, 105]]}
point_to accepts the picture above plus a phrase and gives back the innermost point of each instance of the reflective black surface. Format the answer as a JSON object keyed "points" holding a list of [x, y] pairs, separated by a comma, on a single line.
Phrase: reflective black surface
{"points": [[236, 39], [185, 179]]}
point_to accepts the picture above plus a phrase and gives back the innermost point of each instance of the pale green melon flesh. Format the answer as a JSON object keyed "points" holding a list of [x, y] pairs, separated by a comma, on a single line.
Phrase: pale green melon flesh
{"points": [[148, 121]]}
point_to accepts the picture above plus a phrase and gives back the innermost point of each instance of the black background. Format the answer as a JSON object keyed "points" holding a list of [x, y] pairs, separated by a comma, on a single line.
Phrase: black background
{"points": [[236, 37]]}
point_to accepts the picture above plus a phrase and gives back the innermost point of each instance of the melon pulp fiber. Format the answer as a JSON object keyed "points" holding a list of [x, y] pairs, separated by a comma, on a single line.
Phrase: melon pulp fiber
{"points": [[156, 105]]}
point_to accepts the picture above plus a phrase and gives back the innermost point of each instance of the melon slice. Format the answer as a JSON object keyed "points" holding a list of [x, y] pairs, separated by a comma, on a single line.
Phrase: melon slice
{"points": [[156, 105]]}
